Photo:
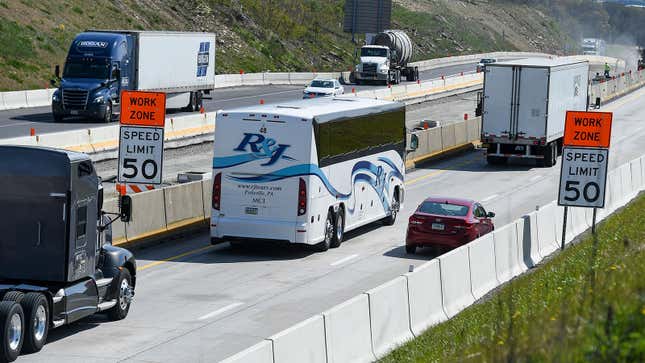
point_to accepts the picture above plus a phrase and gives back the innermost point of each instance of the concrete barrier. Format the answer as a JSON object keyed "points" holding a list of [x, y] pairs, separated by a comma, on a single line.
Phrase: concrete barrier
{"points": [[424, 293], [15, 99], [626, 182], [207, 190], [455, 281], [547, 239], [615, 192], [303, 342], [637, 175], [389, 315], [527, 238], [38, 98], [347, 332], [148, 215], [448, 136], [506, 253], [461, 133], [481, 254], [259, 353], [184, 204]]}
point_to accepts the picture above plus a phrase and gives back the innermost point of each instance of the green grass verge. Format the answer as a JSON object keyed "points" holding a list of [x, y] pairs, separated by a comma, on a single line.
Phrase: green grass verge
{"points": [[586, 304]]}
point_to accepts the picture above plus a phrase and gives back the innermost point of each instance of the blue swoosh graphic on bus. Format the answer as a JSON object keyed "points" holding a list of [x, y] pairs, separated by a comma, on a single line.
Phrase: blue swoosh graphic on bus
{"points": [[364, 171]]}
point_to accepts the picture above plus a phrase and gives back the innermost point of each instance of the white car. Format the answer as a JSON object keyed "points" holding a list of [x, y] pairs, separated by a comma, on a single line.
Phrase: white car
{"points": [[322, 88]]}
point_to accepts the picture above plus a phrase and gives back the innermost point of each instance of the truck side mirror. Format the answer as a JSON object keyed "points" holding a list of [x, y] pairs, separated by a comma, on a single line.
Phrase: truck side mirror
{"points": [[125, 208], [52, 83], [414, 142], [116, 74], [597, 102], [57, 71]]}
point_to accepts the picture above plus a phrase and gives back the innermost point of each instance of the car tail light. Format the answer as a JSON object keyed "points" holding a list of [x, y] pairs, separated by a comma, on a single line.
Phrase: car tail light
{"points": [[217, 191], [464, 226], [302, 198], [415, 221]]}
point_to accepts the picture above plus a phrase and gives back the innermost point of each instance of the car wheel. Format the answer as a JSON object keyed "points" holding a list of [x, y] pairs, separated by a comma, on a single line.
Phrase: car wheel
{"points": [[36, 309], [339, 229], [123, 292], [329, 234], [410, 249], [12, 327]]}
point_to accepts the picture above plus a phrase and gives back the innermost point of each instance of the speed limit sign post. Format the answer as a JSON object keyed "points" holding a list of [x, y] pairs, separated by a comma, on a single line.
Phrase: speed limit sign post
{"points": [[585, 158], [141, 138]]}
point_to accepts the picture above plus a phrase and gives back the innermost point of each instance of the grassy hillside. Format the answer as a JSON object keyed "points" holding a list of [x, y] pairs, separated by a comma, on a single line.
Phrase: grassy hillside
{"points": [[259, 35]]}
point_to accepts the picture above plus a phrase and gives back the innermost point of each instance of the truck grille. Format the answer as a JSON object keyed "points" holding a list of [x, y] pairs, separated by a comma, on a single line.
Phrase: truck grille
{"points": [[74, 99], [369, 67]]}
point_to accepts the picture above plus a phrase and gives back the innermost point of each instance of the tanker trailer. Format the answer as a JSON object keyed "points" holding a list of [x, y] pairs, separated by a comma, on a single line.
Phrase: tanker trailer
{"points": [[386, 59]]}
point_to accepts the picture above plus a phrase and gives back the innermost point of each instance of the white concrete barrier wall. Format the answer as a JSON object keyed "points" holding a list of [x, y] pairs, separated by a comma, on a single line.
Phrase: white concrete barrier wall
{"points": [[303, 342], [259, 353], [547, 239], [527, 236], [424, 292], [389, 315], [481, 254], [347, 331], [455, 281], [506, 252]]}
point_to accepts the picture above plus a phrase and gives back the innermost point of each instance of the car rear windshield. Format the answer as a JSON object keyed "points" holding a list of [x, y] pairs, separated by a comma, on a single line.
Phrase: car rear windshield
{"points": [[444, 209], [322, 84]]}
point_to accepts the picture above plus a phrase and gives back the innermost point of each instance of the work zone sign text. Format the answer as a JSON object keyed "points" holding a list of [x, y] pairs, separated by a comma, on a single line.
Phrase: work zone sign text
{"points": [[143, 108]]}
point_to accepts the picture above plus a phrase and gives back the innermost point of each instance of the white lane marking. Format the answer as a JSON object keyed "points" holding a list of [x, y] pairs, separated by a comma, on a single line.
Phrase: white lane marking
{"points": [[343, 260], [220, 311], [490, 198], [535, 178]]}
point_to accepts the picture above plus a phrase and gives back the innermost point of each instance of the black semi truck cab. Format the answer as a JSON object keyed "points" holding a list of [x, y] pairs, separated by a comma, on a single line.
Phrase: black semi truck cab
{"points": [[56, 266]]}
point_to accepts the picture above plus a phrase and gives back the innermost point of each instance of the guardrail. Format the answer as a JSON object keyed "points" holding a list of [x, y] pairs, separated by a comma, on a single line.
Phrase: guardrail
{"points": [[371, 324]]}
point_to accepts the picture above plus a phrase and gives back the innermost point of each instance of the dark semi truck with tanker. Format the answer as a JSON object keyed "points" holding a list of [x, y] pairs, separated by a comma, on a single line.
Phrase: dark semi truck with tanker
{"points": [[57, 264]]}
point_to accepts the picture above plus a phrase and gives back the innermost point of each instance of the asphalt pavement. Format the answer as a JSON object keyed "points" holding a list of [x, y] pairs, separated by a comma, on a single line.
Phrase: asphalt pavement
{"points": [[201, 303]]}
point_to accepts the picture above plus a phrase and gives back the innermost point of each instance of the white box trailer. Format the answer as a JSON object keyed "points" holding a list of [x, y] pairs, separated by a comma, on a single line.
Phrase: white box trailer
{"points": [[524, 107], [175, 61]]}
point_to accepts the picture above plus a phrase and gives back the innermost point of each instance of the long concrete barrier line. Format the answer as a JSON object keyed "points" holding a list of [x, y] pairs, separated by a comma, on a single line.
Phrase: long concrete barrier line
{"points": [[456, 294]]}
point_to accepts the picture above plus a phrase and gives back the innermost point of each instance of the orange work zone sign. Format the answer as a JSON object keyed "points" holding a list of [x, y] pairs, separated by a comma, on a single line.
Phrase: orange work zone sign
{"points": [[588, 129], [143, 108]]}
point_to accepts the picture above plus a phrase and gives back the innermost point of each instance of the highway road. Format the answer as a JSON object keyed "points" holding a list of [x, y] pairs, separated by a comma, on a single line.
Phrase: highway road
{"points": [[199, 158], [18, 122], [201, 303]]}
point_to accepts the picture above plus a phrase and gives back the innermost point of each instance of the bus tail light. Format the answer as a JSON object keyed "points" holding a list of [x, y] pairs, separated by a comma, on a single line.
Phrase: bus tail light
{"points": [[217, 191], [302, 198]]}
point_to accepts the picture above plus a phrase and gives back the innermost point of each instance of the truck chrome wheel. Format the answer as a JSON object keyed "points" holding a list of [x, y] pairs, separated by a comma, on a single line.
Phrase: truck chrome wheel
{"points": [[15, 331], [125, 294], [40, 323]]}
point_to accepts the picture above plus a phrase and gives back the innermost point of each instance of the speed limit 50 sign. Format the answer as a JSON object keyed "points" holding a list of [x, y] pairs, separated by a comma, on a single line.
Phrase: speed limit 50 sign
{"points": [[583, 177], [140, 155]]}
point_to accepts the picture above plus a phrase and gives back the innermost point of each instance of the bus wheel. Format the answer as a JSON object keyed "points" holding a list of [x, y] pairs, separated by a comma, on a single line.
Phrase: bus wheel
{"points": [[329, 234], [339, 230], [394, 211]]}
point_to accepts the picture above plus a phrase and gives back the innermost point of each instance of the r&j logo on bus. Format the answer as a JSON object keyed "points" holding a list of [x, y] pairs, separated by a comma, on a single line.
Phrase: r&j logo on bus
{"points": [[263, 148]]}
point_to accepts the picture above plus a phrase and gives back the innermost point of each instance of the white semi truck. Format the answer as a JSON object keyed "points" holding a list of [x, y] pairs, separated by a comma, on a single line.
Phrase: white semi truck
{"points": [[386, 59], [524, 107]]}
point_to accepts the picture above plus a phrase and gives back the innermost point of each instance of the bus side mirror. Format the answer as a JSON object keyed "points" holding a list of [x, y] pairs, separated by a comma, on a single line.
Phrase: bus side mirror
{"points": [[57, 71], [125, 208]]}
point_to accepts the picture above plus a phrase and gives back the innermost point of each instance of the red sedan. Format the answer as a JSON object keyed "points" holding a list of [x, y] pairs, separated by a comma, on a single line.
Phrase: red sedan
{"points": [[447, 223]]}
